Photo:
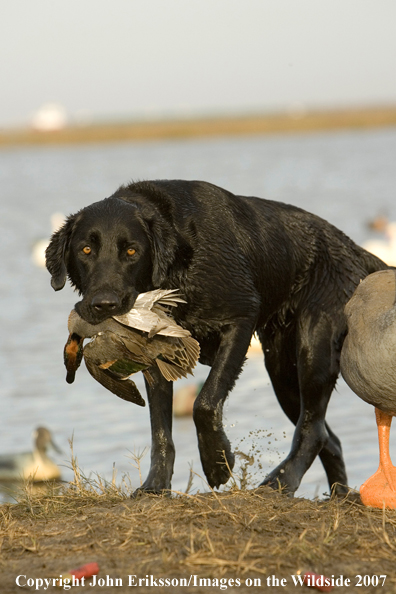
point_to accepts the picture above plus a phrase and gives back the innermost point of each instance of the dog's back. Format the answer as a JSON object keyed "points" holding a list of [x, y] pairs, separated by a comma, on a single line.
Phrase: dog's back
{"points": [[281, 253]]}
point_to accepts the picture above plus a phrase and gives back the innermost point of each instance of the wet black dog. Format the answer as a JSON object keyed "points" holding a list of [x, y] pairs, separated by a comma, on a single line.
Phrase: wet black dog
{"points": [[243, 265]]}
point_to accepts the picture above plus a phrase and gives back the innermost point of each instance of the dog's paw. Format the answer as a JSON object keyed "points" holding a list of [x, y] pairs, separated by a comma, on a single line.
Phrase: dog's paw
{"points": [[141, 491], [216, 457], [283, 479], [158, 482]]}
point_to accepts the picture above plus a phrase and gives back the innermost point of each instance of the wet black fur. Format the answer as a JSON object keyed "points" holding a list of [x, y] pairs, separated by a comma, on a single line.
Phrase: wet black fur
{"points": [[243, 265]]}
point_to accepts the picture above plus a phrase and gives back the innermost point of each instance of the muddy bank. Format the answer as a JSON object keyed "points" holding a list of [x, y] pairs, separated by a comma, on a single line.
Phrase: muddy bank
{"points": [[241, 541]]}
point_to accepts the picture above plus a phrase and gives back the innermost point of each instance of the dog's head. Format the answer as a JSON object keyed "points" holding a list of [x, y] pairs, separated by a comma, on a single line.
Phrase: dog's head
{"points": [[111, 251]]}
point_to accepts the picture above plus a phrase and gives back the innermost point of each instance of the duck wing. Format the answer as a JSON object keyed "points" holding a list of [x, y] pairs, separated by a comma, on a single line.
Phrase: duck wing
{"points": [[125, 389], [150, 313], [147, 320], [179, 358], [158, 297], [141, 319], [175, 357], [119, 355]]}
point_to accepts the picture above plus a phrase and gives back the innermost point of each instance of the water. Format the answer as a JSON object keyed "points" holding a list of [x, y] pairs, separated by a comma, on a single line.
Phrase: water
{"points": [[346, 177]]}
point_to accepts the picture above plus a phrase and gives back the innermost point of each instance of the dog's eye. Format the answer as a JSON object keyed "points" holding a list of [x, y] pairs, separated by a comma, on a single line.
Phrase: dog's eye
{"points": [[87, 250], [131, 251]]}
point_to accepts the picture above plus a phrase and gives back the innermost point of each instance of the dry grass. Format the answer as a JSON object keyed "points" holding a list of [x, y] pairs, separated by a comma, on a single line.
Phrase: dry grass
{"points": [[205, 127], [236, 534]]}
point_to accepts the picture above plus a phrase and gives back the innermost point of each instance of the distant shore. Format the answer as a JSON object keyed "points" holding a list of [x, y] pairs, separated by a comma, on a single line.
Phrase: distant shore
{"points": [[203, 127]]}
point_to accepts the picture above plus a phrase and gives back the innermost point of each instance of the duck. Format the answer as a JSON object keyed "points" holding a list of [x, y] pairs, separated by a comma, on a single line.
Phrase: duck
{"points": [[368, 366], [36, 465], [124, 345]]}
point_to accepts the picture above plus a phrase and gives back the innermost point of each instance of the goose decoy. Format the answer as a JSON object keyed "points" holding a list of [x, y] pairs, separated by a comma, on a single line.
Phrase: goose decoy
{"points": [[124, 345], [368, 365], [34, 465]]}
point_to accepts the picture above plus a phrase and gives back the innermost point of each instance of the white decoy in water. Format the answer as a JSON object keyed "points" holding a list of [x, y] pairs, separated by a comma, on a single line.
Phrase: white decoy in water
{"points": [[34, 465], [383, 248], [38, 251]]}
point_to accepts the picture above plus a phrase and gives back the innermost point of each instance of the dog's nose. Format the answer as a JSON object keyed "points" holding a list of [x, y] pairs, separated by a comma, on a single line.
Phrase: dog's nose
{"points": [[105, 302]]}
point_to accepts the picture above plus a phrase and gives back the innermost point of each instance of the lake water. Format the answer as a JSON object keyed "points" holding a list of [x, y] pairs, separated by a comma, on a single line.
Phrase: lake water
{"points": [[346, 177]]}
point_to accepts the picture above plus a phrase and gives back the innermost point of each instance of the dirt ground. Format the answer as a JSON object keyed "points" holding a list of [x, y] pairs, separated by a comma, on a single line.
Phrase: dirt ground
{"points": [[240, 541]]}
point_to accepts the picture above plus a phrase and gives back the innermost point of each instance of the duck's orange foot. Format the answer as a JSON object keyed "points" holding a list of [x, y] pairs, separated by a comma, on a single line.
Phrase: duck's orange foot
{"points": [[377, 492]]}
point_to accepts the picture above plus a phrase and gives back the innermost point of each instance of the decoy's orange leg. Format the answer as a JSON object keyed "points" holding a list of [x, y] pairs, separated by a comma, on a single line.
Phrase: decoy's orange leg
{"points": [[383, 424], [380, 489]]}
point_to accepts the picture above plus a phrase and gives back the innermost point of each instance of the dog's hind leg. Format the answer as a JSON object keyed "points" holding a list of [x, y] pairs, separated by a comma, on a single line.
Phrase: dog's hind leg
{"points": [[162, 448], [280, 357], [333, 463]]}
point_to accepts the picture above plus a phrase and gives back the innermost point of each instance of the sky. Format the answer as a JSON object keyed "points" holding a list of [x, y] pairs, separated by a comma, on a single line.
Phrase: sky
{"points": [[124, 59]]}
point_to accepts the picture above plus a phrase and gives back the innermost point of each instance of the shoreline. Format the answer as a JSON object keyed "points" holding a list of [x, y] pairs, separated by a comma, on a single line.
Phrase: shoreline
{"points": [[200, 127], [196, 543]]}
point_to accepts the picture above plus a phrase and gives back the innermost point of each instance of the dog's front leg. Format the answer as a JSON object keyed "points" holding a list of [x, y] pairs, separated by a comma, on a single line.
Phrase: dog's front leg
{"points": [[214, 447], [162, 449]]}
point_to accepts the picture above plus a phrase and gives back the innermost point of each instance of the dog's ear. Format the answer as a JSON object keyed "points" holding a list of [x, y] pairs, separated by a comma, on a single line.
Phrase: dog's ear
{"points": [[56, 252], [171, 253]]}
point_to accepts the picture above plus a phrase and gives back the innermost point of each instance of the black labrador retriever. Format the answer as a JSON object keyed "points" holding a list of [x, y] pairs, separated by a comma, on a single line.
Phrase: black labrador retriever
{"points": [[244, 265]]}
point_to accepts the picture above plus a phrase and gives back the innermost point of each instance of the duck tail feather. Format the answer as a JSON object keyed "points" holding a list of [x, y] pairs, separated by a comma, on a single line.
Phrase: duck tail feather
{"points": [[192, 349], [169, 371]]}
